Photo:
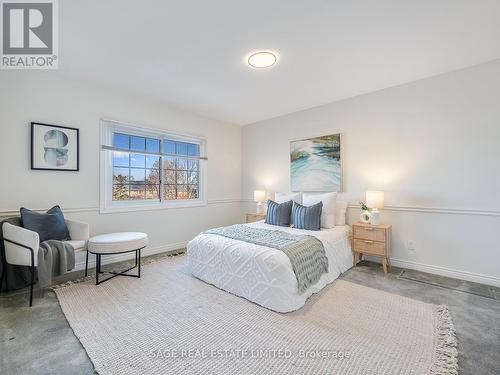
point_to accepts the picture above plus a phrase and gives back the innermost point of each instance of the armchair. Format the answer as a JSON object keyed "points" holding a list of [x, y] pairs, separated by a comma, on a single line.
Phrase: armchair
{"points": [[21, 246]]}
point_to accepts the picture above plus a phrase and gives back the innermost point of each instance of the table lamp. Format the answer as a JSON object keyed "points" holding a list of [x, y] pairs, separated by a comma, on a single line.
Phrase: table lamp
{"points": [[259, 196], [375, 200]]}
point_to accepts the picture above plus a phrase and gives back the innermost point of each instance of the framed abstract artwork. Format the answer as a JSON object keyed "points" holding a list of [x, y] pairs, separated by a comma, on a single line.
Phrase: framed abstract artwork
{"points": [[54, 148], [316, 164]]}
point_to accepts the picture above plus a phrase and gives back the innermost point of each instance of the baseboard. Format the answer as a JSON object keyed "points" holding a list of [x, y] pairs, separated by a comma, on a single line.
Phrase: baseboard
{"points": [[443, 271], [150, 250]]}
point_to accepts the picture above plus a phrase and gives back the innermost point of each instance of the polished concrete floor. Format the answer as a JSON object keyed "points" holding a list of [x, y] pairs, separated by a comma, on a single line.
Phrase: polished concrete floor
{"points": [[38, 340]]}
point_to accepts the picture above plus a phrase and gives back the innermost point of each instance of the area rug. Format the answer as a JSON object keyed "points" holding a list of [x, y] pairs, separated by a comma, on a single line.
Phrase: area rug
{"points": [[168, 322]]}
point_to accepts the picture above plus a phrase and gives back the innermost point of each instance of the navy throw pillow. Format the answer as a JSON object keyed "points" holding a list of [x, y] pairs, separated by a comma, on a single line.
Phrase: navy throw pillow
{"points": [[307, 217], [49, 226], [278, 214]]}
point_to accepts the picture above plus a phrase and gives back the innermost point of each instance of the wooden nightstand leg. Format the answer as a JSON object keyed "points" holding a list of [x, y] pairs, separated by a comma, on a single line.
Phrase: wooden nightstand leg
{"points": [[357, 258], [384, 265]]}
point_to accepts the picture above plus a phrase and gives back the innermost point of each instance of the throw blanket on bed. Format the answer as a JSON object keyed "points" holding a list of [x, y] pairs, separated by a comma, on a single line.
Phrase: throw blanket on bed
{"points": [[306, 253]]}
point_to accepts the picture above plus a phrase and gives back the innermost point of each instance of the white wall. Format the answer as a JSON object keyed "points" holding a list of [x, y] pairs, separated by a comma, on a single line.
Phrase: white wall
{"points": [[27, 96], [432, 145]]}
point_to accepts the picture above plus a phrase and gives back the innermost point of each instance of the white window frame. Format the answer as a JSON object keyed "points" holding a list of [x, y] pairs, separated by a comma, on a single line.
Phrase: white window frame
{"points": [[108, 205]]}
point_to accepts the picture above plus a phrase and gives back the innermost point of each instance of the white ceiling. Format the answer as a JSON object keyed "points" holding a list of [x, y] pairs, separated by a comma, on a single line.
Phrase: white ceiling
{"points": [[191, 54]]}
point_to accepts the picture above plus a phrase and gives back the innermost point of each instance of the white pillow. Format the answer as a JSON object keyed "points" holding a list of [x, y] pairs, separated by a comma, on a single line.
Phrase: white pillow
{"points": [[328, 211], [282, 197], [340, 212]]}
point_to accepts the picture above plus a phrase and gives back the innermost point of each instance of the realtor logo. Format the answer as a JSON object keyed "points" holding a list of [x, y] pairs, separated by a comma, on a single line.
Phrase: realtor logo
{"points": [[29, 34]]}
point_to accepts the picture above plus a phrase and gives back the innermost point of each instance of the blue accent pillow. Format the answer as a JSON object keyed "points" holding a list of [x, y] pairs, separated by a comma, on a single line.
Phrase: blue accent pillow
{"points": [[278, 214], [49, 226], [307, 217]]}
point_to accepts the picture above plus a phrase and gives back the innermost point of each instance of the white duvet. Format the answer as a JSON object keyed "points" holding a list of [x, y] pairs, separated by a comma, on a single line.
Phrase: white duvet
{"points": [[262, 274]]}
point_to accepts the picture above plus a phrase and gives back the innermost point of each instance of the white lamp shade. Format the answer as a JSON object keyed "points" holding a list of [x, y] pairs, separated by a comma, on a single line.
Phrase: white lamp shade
{"points": [[375, 199], [259, 195]]}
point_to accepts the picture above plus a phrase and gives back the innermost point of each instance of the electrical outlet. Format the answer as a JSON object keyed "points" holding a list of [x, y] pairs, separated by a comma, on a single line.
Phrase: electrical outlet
{"points": [[410, 245]]}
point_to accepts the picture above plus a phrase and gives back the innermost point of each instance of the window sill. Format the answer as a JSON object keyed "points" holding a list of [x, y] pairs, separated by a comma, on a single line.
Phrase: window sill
{"points": [[151, 206]]}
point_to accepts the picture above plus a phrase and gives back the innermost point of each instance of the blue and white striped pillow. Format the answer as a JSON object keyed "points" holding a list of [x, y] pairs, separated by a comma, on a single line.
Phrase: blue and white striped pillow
{"points": [[307, 217], [278, 214]]}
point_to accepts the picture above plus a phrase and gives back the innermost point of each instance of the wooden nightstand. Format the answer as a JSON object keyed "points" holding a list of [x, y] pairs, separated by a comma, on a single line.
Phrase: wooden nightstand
{"points": [[372, 240], [255, 217]]}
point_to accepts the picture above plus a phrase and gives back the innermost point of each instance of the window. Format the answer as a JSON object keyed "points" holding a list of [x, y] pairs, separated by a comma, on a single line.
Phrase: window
{"points": [[181, 174], [136, 176], [149, 168]]}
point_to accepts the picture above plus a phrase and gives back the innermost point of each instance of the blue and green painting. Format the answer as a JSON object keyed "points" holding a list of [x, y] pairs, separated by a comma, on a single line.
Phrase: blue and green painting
{"points": [[56, 155], [315, 164]]}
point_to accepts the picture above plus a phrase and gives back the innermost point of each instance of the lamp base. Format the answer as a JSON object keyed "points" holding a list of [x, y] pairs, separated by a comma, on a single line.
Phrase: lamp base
{"points": [[260, 208], [375, 217]]}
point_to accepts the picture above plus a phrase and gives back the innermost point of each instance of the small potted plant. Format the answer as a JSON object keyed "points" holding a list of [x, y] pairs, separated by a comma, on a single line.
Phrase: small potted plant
{"points": [[365, 213]]}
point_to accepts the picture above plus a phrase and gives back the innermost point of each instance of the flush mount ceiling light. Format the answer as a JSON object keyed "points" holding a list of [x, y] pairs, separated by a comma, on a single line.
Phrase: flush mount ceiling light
{"points": [[262, 59]]}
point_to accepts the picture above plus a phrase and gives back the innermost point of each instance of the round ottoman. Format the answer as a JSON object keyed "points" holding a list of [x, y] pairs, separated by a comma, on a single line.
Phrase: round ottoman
{"points": [[116, 243]]}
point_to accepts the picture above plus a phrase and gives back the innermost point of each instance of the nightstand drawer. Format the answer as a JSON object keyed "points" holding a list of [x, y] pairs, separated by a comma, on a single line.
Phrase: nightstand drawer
{"points": [[371, 247], [369, 233]]}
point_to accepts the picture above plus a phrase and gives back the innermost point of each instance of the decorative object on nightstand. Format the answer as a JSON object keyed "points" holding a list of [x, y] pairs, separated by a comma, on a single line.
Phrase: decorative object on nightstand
{"points": [[375, 200], [374, 240], [259, 196], [365, 213], [255, 217]]}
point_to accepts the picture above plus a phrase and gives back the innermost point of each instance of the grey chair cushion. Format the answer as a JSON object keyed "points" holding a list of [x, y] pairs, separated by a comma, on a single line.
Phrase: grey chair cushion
{"points": [[278, 214], [307, 217], [49, 226]]}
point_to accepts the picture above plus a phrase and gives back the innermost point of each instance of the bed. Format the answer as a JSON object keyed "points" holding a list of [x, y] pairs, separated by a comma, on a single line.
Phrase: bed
{"points": [[262, 274]]}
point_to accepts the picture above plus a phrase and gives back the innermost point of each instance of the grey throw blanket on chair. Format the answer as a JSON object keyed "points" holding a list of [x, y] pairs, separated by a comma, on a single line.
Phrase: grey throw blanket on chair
{"points": [[54, 258], [306, 253]]}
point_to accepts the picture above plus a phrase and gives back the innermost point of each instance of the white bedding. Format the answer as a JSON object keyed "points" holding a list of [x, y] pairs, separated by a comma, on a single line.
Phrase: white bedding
{"points": [[262, 274]]}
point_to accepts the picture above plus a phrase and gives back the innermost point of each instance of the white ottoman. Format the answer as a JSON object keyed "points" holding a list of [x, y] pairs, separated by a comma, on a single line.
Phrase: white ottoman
{"points": [[116, 243]]}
